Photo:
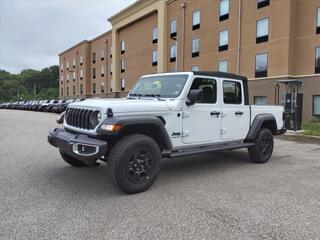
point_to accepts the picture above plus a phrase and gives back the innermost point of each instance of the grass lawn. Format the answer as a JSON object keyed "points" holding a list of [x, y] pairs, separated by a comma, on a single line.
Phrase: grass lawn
{"points": [[311, 129]]}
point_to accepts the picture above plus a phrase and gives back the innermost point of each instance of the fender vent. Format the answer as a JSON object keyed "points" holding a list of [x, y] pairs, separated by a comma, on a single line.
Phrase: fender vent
{"points": [[82, 118]]}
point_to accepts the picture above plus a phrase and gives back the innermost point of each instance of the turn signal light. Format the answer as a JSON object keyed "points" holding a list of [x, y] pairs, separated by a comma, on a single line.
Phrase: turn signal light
{"points": [[111, 128]]}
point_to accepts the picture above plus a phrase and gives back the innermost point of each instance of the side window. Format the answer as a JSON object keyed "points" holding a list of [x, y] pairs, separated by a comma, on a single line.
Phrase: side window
{"points": [[232, 92], [209, 88]]}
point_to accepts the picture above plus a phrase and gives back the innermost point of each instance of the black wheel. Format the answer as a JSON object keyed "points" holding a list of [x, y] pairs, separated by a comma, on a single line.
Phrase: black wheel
{"points": [[134, 163], [262, 151], [71, 160]]}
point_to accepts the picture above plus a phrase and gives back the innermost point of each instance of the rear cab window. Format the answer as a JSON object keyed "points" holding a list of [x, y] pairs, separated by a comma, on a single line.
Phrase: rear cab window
{"points": [[232, 92]]}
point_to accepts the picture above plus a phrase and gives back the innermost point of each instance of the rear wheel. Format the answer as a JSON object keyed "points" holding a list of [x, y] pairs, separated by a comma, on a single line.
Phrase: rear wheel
{"points": [[134, 163], [71, 160], [262, 151]]}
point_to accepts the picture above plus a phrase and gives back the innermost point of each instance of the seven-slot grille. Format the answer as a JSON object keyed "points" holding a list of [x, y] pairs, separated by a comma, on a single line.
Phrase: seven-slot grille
{"points": [[82, 118]]}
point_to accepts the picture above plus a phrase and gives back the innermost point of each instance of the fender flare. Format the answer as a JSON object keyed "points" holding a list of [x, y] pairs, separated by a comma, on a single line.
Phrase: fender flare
{"points": [[131, 121], [257, 123]]}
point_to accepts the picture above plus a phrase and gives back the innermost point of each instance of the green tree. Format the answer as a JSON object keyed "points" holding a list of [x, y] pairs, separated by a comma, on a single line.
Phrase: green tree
{"points": [[45, 82]]}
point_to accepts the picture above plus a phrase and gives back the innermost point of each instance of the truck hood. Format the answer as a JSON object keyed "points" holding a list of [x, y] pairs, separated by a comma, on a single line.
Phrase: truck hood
{"points": [[124, 105]]}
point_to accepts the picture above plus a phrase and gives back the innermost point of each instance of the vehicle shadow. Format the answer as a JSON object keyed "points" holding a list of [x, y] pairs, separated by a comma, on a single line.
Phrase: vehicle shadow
{"points": [[95, 181]]}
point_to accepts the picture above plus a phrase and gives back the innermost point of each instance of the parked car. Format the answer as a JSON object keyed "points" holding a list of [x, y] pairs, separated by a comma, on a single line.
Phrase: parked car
{"points": [[50, 105], [166, 116], [3, 105], [56, 106]]}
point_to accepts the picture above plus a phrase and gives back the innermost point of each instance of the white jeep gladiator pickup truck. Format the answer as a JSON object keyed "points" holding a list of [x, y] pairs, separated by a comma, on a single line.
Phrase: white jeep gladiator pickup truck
{"points": [[165, 116]]}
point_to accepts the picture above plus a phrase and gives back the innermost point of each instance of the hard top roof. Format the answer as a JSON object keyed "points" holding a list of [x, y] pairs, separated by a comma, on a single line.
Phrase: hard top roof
{"points": [[220, 75]]}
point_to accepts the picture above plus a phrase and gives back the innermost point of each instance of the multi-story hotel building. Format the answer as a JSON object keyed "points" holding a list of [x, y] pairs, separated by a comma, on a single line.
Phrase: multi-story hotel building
{"points": [[266, 40]]}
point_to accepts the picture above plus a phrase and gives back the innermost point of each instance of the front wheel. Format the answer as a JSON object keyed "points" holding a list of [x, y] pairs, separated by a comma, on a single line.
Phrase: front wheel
{"points": [[262, 151], [134, 163]]}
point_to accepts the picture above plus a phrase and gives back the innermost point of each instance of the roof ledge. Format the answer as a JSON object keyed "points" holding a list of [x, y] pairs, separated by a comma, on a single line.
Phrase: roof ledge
{"points": [[131, 9]]}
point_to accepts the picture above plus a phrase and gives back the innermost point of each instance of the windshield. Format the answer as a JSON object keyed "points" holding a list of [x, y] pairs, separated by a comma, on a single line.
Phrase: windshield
{"points": [[169, 86]]}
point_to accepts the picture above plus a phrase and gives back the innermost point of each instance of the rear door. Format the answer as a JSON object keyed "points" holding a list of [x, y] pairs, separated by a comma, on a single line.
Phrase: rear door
{"points": [[235, 115], [201, 121]]}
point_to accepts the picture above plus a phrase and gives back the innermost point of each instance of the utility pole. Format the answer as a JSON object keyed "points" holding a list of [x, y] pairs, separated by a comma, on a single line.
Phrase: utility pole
{"points": [[34, 91], [18, 94]]}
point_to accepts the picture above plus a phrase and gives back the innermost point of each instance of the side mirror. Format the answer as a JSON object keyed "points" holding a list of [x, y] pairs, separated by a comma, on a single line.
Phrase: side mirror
{"points": [[195, 95]]}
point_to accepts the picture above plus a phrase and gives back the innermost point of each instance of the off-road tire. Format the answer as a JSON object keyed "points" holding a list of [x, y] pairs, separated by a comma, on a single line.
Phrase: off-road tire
{"points": [[124, 173], [71, 160], [262, 151]]}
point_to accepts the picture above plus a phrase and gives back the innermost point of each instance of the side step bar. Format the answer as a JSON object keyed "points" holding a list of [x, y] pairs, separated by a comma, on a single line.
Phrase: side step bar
{"points": [[194, 151]]}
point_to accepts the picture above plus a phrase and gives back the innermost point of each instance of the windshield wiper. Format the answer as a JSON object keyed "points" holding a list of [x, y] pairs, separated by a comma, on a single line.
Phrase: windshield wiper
{"points": [[135, 95], [154, 95]]}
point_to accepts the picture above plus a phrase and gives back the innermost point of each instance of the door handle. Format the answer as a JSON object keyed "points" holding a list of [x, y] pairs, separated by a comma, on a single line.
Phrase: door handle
{"points": [[239, 113], [215, 113]]}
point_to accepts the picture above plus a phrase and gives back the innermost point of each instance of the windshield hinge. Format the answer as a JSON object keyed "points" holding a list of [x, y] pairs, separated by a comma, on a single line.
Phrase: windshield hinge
{"points": [[185, 133], [185, 114]]}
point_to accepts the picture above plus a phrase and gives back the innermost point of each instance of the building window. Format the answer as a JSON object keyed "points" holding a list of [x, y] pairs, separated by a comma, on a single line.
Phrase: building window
{"points": [[81, 89], [74, 76], [94, 88], [155, 58], [173, 28], [196, 20], [102, 71], [123, 47], [111, 69], [195, 47], [102, 54], [67, 91], [81, 74], [67, 76], [260, 100], [223, 40], [173, 53], [316, 105], [94, 73], [155, 35], [232, 92], [317, 67], [261, 65], [61, 77], [94, 57], [81, 60], [123, 66], [318, 20], [262, 3], [61, 67], [61, 91], [223, 66], [262, 30], [195, 68], [111, 85], [67, 65], [102, 86], [74, 90], [123, 84], [224, 10], [74, 63]]}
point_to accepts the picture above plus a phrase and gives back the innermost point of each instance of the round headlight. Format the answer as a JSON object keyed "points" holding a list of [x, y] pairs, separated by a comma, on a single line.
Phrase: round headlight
{"points": [[99, 116]]}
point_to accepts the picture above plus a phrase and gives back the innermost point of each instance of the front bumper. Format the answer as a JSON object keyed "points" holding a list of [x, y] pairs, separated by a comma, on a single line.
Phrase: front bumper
{"points": [[79, 146], [281, 131]]}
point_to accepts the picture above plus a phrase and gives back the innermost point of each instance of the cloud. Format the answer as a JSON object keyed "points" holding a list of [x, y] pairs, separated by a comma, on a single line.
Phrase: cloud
{"points": [[34, 32]]}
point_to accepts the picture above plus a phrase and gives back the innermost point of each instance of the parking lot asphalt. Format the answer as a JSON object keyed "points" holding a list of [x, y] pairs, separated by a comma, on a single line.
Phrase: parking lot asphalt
{"points": [[211, 196]]}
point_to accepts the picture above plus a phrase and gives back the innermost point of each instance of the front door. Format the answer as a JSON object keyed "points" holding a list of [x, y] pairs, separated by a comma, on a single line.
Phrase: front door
{"points": [[235, 115], [201, 121]]}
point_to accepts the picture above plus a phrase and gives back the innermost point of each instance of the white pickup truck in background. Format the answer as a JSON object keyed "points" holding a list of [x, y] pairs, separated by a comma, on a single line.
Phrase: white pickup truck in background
{"points": [[165, 116]]}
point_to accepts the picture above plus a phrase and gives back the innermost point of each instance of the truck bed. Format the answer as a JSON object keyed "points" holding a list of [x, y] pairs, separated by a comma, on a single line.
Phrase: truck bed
{"points": [[276, 111]]}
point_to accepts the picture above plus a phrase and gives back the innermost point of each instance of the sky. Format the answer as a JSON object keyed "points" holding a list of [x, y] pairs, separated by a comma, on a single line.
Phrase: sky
{"points": [[34, 32]]}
